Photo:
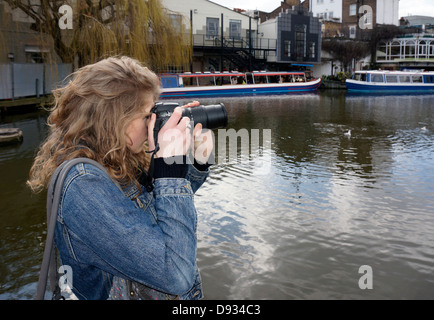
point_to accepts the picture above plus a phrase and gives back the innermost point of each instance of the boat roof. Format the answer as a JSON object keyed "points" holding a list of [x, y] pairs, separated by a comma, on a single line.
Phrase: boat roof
{"points": [[211, 74], [232, 74], [395, 72], [276, 73]]}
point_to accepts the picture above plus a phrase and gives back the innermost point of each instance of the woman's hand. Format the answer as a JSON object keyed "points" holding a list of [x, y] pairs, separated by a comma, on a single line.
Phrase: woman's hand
{"points": [[175, 139], [203, 144]]}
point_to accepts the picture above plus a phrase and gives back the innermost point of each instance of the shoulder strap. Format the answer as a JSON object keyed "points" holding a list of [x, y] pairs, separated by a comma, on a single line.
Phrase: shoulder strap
{"points": [[49, 262]]}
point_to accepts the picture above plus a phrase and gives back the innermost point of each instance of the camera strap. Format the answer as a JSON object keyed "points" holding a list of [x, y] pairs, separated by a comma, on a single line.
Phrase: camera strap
{"points": [[149, 183]]}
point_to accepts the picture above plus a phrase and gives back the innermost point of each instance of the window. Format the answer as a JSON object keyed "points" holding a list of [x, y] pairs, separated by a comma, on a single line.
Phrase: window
{"points": [[360, 76], [353, 9], [422, 48], [352, 32], [235, 29], [395, 50], [404, 78], [287, 48], [312, 49], [212, 28], [429, 79], [377, 78], [300, 40], [410, 49], [391, 79], [417, 79], [176, 20]]}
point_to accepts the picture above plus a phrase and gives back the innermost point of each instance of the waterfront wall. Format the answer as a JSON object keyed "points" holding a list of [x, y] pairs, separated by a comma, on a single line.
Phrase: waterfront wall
{"points": [[18, 80]]}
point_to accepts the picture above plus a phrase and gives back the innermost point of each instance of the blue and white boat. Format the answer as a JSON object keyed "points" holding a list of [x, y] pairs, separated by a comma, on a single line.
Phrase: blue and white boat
{"points": [[208, 84], [391, 81]]}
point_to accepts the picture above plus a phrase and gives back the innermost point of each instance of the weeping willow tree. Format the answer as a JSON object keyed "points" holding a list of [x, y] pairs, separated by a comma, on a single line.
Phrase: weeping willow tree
{"points": [[137, 28]]}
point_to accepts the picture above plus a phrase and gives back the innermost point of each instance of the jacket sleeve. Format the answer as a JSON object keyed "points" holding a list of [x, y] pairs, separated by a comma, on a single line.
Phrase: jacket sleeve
{"points": [[196, 177], [109, 231]]}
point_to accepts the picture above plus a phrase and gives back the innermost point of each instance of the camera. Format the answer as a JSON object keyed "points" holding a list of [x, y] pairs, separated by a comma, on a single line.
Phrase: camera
{"points": [[210, 116]]}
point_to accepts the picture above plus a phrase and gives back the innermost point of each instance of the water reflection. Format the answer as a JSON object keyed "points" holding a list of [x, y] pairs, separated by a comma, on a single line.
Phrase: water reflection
{"points": [[328, 203], [22, 214]]}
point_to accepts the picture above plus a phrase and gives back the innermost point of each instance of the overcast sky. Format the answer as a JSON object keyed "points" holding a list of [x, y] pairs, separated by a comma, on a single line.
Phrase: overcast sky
{"points": [[406, 7]]}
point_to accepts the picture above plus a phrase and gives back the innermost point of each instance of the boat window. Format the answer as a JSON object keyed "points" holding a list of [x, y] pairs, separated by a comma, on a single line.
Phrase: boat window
{"points": [[429, 79], [417, 79], [377, 78], [404, 78], [391, 79], [187, 82], [261, 79]]}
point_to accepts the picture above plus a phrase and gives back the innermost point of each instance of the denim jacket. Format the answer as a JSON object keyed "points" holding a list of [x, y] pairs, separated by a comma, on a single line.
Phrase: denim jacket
{"points": [[150, 238]]}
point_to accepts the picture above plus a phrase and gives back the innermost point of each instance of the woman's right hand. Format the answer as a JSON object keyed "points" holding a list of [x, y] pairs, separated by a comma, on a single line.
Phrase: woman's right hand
{"points": [[174, 138]]}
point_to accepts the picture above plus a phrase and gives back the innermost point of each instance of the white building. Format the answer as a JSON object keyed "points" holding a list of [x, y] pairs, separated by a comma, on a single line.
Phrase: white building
{"points": [[206, 19], [219, 34], [386, 11], [326, 9]]}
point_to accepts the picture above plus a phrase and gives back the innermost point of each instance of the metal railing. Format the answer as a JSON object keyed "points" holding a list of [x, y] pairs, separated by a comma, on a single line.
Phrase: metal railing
{"points": [[203, 40]]}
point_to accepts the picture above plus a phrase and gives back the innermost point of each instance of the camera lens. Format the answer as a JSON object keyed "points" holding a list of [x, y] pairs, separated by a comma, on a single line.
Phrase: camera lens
{"points": [[211, 116]]}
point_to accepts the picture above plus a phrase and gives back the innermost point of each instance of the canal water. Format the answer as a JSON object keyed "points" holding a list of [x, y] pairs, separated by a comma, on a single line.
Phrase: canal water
{"points": [[312, 212]]}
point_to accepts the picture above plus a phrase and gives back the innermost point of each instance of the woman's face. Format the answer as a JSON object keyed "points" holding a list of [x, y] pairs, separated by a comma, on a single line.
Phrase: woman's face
{"points": [[137, 130]]}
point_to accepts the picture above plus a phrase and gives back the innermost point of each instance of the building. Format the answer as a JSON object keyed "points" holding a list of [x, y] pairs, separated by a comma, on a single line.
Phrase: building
{"points": [[417, 24], [20, 44], [284, 5], [328, 10], [237, 39], [298, 36], [223, 38], [356, 16], [360, 16], [414, 51]]}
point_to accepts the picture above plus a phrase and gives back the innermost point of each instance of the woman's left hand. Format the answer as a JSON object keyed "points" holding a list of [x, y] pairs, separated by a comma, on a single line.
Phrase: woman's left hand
{"points": [[203, 143]]}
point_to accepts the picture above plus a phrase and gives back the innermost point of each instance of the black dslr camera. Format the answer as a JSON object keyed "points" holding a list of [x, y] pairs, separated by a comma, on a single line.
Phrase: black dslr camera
{"points": [[210, 116]]}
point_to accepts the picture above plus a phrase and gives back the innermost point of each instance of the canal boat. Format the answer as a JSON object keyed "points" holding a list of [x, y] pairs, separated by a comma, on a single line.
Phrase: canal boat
{"points": [[208, 84], [391, 81]]}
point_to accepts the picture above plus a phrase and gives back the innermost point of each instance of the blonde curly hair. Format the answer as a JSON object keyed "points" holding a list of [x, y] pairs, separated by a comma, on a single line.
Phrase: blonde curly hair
{"points": [[90, 117]]}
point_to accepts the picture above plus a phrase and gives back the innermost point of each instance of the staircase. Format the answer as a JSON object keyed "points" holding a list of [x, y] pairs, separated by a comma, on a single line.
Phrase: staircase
{"points": [[241, 57]]}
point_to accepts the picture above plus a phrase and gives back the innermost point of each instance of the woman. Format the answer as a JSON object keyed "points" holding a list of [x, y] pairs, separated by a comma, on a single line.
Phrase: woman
{"points": [[141, 232]]}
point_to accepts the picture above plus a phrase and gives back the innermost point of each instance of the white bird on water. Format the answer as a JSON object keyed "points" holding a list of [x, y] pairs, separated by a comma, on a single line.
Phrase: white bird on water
{"points": [[348, 134]]}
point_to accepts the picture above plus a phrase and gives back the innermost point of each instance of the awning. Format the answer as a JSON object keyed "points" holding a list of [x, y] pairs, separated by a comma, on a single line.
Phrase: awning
{"points": [[302, 65]]}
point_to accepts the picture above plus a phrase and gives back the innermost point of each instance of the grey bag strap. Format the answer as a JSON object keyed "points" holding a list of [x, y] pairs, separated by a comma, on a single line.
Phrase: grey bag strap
{"points": [[49, 261]]}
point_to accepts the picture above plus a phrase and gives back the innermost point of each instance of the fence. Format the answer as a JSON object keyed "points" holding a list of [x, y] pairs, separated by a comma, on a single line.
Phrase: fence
{"points": [[18, 80]]}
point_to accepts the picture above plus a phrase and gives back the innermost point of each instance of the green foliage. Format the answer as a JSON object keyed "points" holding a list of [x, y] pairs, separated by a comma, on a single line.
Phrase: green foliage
{"points": [[340, 76]]}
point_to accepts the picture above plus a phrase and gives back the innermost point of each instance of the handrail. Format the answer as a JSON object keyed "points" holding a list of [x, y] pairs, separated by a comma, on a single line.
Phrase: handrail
{"points": [[204, 40]]}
